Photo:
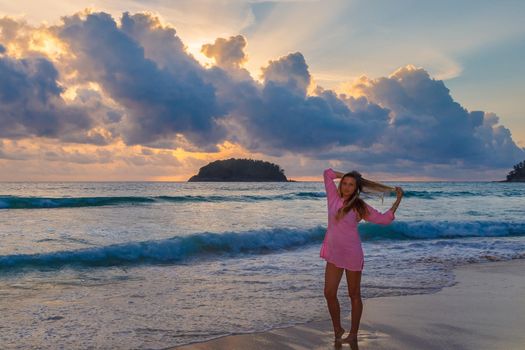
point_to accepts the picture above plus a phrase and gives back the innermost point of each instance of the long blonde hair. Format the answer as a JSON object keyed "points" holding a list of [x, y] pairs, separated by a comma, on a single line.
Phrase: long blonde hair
{"points": [[362, 186]]}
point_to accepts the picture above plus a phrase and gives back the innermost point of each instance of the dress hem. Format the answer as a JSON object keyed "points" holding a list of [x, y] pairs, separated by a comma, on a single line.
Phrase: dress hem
{"points": [[342, 267]]}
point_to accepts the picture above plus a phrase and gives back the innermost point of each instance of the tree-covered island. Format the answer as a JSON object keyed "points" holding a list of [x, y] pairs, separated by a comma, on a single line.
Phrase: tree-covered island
{"points": [[245, 170], [517, 174]]}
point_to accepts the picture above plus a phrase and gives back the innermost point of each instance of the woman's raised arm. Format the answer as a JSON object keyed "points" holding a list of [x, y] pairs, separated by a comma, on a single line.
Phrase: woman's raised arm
{"points": [[388, 216], [399, 193], [375, 216], [329, 176]]}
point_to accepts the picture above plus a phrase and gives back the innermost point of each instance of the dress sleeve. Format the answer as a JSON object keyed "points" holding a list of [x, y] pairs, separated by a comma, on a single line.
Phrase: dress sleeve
{"points": [[329, 185], [377, 217]]}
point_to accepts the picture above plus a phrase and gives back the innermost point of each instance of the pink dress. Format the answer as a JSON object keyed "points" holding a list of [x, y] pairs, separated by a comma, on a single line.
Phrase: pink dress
{"points": [[342, 245]]}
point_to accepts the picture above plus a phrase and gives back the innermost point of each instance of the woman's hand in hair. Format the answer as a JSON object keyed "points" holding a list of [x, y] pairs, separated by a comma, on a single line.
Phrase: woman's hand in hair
{"points": [[399, 192], [338, 174]]}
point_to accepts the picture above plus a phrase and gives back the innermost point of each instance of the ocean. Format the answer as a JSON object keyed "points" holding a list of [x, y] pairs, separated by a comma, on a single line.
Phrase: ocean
{"points": [[148, 265]]}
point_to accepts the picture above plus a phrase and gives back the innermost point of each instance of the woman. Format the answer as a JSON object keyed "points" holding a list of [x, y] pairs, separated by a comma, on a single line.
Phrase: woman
{"points": [[342, 247]]}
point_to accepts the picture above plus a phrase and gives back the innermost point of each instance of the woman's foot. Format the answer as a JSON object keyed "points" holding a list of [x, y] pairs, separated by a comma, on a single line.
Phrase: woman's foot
{"points": [[339, 333], [351, 337]]}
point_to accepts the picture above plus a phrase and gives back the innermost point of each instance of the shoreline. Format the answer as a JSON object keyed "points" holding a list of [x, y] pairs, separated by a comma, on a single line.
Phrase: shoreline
{"points": [[483, 309]]}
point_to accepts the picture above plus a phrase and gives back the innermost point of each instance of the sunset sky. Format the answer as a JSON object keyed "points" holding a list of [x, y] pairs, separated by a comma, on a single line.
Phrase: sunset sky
{"points": [[153, 90]]}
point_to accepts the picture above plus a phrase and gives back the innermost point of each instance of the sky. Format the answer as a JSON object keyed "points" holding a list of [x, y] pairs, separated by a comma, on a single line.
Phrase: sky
{"points": [[154, 90]]}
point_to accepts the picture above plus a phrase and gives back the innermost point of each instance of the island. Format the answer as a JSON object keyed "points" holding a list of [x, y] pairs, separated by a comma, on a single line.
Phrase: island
{"points": [[240, 170], [518, 174]]}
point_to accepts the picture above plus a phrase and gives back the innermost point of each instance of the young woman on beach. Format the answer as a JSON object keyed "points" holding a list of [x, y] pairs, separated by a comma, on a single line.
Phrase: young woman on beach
{"points": [[342, 247]]}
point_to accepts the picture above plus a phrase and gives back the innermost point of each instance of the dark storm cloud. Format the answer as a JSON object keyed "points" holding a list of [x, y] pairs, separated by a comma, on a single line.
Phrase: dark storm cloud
{"points": [[161, 101], [290, 72], [160, 44], [278, 116], [429, 126], [30, 102]]}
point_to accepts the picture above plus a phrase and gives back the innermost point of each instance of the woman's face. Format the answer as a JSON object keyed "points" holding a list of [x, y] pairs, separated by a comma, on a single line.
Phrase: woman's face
{"points": [[348, 186]]}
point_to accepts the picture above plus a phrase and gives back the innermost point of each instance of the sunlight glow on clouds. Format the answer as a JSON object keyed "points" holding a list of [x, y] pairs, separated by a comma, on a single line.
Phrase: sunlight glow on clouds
{"points": [[105, 97]]}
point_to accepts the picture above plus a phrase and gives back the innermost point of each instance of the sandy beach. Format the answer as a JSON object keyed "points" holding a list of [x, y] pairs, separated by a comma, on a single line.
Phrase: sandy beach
{"points": [[484, 309]]}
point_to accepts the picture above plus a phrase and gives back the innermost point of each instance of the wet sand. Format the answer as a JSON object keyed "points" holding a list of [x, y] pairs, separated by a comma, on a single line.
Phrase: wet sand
{"points": [[485, 309]]}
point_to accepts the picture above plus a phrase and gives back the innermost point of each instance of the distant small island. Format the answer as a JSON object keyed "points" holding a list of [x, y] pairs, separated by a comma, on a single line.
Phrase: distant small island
{"points": [[518, 174], [242, 170]]}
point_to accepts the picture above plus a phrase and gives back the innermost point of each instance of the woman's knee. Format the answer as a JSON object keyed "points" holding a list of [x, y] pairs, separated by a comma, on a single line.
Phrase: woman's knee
{"points": [[354, 292], [330, 293], [354, 295]]}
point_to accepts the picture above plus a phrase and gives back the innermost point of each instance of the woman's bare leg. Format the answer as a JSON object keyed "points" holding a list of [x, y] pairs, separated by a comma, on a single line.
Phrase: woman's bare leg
{"points": [[353, 279], [332, 277]]}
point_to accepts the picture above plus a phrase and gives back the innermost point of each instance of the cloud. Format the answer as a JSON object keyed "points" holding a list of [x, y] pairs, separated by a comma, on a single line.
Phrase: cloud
{"points": [[30, 101], [159, 42], [227, 53], [5, 154], [428, 126], [33, 89], [51, 151], [161, 100], [98, 156], [290, 72], [278, 116], [44, 159], [132, 80]]}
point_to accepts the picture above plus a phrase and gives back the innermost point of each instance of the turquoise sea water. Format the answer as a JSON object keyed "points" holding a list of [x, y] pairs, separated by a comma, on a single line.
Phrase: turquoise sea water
{"points": [[152, 265]]}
